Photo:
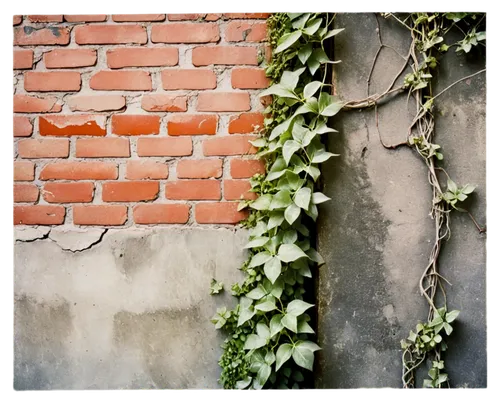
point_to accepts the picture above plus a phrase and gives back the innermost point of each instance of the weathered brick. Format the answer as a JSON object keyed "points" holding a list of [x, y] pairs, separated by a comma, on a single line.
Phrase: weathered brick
{"points": [[52, 81], [99, 215], [122, 124], [208, 168], [110, 34], [204, 189], [26, 193], [130, 191], [45, 18], [161, 213], [70, 58], [39, 215], [223, 101], [242, 31], [213, 17], [22, 127], [138, 17], [43, 148], [79, 171], [96, 103], [23, 59], [29, 36], [238, 189], [191, 79], [142, 57], [32, 104], [103, 147], [185, 32], [72, 125], [246, 15], [24, 171], [192, 124], [121, 80], [249, 78], [246, 168], [85, 18], [246, 123], [185, 17], [68, 192], [139, 169], [224, 55], [164, 147], [218, 213], [17, 19], [229, 146], [164, 102]]}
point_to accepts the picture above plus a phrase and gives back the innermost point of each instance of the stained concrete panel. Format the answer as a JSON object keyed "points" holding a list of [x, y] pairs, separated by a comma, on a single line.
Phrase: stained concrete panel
{"points": [[376, 233], [132, 311]]}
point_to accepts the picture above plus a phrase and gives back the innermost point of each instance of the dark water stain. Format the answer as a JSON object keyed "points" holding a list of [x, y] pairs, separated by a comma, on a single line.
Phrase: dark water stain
{"points": [[133, 254]]}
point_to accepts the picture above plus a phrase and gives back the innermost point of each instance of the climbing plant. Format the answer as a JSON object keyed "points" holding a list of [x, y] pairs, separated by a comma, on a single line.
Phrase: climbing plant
{"points": [[270, 343]]}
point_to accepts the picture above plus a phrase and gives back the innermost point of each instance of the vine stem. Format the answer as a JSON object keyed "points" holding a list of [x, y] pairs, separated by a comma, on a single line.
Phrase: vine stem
{"points": [[460, 80]]}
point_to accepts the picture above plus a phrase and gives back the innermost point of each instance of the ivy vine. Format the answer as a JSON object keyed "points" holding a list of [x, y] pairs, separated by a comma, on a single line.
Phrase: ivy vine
{"points": [[270, 343]]}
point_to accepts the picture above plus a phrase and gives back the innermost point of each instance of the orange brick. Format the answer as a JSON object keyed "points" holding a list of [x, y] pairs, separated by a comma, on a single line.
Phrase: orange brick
{"points": [[142, 57], [45, 18], [32, 104], [249, 78], [238, 189], [185, 17], [39, 215], [229, 146], [43, 148], [70, 58], [68, 192], [22, 126], [218, 213], [139, 169], [164, 147], [246, 123], [191, 79], [224, 55], [29, 36], [210, 168], [243, 31], [99, 215], [205, 189], [161, 213], [246, 15], [121, 80], [24, 171], [17, 19], [164, 102], [110, 34], [196, 124], [96, 103], [26, 193], [132, 125], [79, 171], [23, 59], [52, 81], [185, 32], [138, 17], [103, 147], [85, 18], [130, 191], [223, 101], [72, 125], [246, 168]]}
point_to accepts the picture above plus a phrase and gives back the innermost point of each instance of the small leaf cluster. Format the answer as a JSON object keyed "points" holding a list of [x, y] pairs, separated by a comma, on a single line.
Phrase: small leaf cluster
{"points": [[456, 194], [270, 342]]}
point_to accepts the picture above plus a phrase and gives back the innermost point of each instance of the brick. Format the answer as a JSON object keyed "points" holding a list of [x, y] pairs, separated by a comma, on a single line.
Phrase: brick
{"points": [[23, 59], [142, 57], [70, 58], [218, 213], [110, 34], [31, 104], [185, 17], [229, 146], [164, 102], [72, 125], [238, 189], [79, 171], [246, 15], [24, 171], [185, 32], [242, 31], [130, 191], [17, 19], [224, 55], [99, 215], [27, 193], [193, 124], [43, 148], [190, 79], [246, 123], [211, 168], [29, 36], [52, 81], [213, 17], [96, 103], [22, 127], [138, 17], [205, 189], [223, 101], [39, 215], [121, 80], [45, 18], [246, 168], [249, 78], [68, 192], [132, 125], [85, 18], [140, 169], [103, 147], [161, 213], [164, 147]]}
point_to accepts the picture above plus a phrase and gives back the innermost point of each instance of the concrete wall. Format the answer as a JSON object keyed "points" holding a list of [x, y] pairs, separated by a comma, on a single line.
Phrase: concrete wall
{"points": [[376, 233]]}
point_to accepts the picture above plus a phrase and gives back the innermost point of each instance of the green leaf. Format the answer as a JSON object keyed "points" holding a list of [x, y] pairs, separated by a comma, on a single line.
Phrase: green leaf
{"points": [[303, 197], [289, 80], [311, 88], [305, 52], [272, 269], [290, 236], [276, 218], [290, 252], [332, 33], [312, 26], [290, 322], [309, 345], [299, 23], [262, 202], [281, 199], [315, 256], [263, 374], [412, 337], [298, 307], [452, 186], [448, 328], [270, 358], [263, 331], [293, 16], [244, 316], [452, 315], [276, 325], [280, 129], [304, 327], [289, 148], [318, 198], [257, 293], [303, 357], [216, 287], [322, 156], [266, 305], [242, 384], [468, 189], [287, 40], [283, 354], [259, 259], [278, 90], [257, 242], [292, 213], [332, 109]]}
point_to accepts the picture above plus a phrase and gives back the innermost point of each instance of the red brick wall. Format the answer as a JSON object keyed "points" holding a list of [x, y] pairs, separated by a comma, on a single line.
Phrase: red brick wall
{"points": [[135, 119]]}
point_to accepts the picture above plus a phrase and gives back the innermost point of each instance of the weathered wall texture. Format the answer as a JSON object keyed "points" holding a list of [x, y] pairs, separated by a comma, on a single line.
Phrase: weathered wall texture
{"points": [[376, 233]]}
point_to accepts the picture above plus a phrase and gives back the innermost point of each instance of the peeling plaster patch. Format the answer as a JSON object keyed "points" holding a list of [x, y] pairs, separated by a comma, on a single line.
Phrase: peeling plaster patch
{"points": [[73, 239], [30, 234]]}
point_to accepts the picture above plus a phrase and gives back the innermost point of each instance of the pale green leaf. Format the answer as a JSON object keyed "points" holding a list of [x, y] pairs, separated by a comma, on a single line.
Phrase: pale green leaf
{"points": [[257, 293], [257, 242], [452, 315], [283, 354], [312, 26], [292, 213], [303, 197], [289, 148], [276, 218], [272, 269], [318, 198], [290, 322], [259, 259], [304, 327], [290, 252], [266, 305], [275, 324], [305, 52], [262, 202], [281, 199], [303, 357], [287, 40], [298, 307]]}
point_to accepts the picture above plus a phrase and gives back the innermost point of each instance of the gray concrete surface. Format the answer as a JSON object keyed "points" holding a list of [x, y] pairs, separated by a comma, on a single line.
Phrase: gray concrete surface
{"points": [[376, 233], [120, 309]]}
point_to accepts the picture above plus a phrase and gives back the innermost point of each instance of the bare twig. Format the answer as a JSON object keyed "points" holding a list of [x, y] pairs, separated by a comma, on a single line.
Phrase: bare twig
{"points": [[460, 80]]}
